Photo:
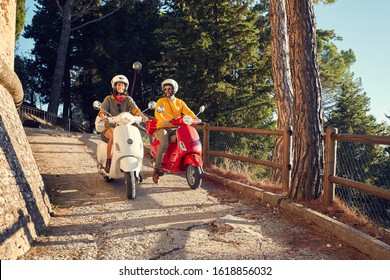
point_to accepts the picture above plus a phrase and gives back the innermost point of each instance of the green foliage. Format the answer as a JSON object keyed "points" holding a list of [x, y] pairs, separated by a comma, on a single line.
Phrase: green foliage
{"points": [[45, 31], [20, 17], [213, 52], [111, 46], [350, 114], [24, 67], [366, 162], [333, 67], [324, 1]]}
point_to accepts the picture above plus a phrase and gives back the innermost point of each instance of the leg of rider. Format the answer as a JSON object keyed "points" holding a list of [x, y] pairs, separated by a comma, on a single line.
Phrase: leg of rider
{"points": [[109, 135], [163, 137]]}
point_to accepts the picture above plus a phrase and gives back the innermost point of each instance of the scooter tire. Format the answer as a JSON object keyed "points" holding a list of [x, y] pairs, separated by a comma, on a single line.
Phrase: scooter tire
{"points": [[194, 176], [130, 184]]}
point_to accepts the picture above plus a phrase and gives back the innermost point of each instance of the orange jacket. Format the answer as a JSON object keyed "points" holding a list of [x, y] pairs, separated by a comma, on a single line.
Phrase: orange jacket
{"points": [[173, 109]]}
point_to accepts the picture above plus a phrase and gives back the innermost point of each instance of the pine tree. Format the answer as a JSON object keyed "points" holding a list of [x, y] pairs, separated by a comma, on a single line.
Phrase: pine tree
{"points": [[307, 107], [367, 163], [213, 51], [44, 30], [333, 67], [351, 112], [20, 17], [111, 46]]}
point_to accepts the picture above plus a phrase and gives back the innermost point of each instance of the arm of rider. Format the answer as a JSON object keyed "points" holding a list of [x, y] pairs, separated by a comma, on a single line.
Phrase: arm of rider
{"points": [[144, 117], [165, 122], [103, 117]]}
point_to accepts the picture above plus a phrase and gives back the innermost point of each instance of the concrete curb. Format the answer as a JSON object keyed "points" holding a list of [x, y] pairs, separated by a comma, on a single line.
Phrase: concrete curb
{"points": [[363, 242]]}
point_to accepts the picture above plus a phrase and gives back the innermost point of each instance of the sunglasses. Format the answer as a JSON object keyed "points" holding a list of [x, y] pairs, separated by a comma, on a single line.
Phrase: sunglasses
{"points": [[165, 89]]}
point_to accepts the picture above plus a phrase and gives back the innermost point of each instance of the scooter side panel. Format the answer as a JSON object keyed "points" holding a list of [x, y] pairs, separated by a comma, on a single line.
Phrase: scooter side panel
{"points": [[193, 159], [171, 154], [101, 152]]}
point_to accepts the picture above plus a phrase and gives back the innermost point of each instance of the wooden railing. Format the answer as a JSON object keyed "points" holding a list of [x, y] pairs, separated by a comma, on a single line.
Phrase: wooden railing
{"points": [[46, 119], [330, 178], [285, 166]]}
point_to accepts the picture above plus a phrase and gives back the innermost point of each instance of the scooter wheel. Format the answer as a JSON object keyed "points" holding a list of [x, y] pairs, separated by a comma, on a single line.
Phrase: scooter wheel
{"points": [[130, 184], [194, 176]]}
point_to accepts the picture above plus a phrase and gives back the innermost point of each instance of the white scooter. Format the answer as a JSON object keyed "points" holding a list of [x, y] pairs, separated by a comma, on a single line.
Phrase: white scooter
{"points": [[127, 150]]}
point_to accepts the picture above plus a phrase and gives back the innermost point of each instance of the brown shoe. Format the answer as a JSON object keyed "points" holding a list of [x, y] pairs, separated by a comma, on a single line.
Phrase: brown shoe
{"points": [[156, 176], [108, 165]]}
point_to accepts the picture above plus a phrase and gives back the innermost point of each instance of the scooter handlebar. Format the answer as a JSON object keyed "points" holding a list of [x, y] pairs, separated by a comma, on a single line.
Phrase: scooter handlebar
{"points": [[181, 121], [124, 118], [137, 119]]}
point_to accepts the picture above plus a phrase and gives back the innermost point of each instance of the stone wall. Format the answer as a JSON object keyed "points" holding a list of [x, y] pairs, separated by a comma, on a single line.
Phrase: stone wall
{"points": [[7, 27], [24, 205]]}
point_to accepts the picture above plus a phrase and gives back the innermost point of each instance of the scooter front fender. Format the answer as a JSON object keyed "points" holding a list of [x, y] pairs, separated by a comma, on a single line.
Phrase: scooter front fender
{"points": [[128, 164], [193, 159]]}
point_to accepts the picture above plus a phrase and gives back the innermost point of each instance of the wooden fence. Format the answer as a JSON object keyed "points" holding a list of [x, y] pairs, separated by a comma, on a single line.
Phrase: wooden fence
{"points": [[330, 179], [284, 166]]}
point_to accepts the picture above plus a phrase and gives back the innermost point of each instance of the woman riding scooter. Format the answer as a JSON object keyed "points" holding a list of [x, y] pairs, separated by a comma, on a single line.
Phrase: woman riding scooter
{"points": [[114, 104], [174, 108]]}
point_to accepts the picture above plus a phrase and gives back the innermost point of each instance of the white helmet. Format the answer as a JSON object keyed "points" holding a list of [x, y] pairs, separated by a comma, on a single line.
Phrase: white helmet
{"points": [[171, 82], [120, 78]]}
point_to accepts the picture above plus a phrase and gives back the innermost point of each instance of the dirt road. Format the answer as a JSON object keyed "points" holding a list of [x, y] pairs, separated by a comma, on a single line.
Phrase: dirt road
{"points": [[94, 220]]}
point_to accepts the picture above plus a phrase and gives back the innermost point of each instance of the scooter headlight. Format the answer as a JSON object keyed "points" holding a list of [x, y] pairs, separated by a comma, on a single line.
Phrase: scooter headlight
{"points": [[187, 120], [126, 117]]}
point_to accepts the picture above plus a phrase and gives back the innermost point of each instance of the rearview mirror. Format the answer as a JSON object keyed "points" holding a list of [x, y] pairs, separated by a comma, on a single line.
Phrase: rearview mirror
{"points": [[201, 109], [97, 105], [152, 105]]}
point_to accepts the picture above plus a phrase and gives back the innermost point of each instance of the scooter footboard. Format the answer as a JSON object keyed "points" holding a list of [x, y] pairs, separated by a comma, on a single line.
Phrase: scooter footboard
{"points": [[128, 164], [193, 159]]}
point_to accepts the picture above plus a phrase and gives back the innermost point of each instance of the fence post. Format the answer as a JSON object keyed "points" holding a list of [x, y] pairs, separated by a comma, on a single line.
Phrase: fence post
{"points": [[286, 166], [330, 166], [205, 144]]}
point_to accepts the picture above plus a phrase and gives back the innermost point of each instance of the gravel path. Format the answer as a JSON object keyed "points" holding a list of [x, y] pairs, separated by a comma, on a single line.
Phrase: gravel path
{"points": [[93, 219]]}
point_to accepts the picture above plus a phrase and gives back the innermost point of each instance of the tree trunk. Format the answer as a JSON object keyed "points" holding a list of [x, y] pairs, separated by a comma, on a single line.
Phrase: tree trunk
{"points": [[66, 112], [56, 86], [281, 77], [307, 117]]}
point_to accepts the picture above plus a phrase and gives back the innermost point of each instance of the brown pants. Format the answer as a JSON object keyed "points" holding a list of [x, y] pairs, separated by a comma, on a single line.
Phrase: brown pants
{"points": [[163, 135]]}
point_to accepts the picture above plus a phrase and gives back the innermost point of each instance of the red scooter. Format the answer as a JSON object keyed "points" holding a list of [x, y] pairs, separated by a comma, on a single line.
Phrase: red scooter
{"points": [[184, 152]]}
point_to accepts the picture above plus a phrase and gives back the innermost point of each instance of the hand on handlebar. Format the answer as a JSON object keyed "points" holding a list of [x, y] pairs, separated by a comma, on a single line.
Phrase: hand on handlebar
{"points": [[104, 118], [144, 117]]}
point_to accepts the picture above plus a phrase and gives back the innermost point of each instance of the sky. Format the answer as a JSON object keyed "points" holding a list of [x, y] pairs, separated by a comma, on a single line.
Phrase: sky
{"points": [[364, 27]]}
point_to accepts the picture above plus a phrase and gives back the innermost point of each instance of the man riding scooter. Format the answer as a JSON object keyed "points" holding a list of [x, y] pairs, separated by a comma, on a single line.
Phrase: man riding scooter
{"points": [[114, 104], [174, 108]]}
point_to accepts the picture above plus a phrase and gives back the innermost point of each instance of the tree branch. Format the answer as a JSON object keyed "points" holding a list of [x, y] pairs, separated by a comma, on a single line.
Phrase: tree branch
{"points": [[95, 20], [59, 7], [87, 8]]}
